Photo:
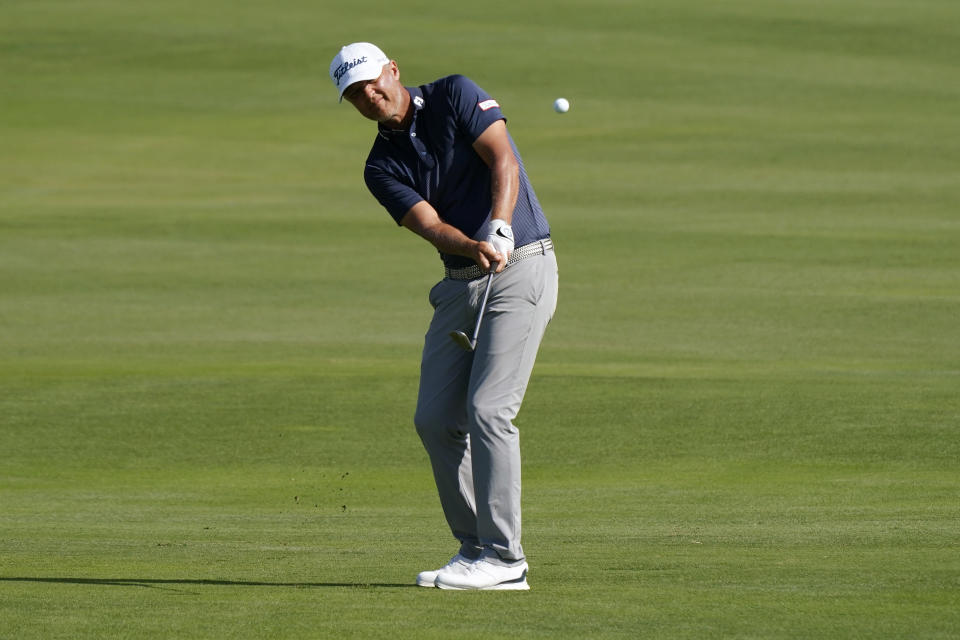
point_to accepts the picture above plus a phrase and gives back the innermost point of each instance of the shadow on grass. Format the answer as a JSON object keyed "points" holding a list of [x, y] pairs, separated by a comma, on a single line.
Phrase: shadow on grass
{"points": [[153, 583]]}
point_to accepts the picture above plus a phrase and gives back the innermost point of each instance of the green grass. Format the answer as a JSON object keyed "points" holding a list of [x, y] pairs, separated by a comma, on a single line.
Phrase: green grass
{"points": [[743, 421]]}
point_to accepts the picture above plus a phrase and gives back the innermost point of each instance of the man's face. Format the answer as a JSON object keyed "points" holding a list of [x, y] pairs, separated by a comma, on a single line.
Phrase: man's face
{"points": [[380, 99]]}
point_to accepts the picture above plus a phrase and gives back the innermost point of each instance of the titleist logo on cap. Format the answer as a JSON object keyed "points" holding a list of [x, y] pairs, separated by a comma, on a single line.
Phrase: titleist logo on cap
{"points": [[346, 66], [355, 63]]}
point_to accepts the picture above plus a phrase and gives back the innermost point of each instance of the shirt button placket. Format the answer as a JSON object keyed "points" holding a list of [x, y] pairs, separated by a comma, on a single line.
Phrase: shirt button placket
{"points": [[420, 148]]}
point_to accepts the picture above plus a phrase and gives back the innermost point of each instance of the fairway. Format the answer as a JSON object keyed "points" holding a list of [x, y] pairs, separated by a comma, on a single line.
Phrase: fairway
{"points": [[744, 421]]}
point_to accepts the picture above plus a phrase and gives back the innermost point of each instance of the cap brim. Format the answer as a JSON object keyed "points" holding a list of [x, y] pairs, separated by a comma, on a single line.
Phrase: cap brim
{"points": [[363, 74]]}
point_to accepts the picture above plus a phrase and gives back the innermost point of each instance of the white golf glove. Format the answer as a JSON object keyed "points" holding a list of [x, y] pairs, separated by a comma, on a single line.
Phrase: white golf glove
{"points": [[500, 235]]}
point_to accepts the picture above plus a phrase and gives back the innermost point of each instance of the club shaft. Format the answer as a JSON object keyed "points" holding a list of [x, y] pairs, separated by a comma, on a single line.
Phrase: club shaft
{"points": [[483, 304]]}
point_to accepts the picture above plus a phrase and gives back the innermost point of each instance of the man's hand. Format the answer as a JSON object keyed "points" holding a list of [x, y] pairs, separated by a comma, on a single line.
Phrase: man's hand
{"points": [[500, 235], [487, 256]]}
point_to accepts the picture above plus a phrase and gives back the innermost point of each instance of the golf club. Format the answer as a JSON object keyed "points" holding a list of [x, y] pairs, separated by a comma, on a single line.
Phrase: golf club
{"points": [[469, 344]]}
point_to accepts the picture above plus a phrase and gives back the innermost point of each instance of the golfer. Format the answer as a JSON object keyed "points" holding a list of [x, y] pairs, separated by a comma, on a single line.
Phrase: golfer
{"points": [[444, 166]]}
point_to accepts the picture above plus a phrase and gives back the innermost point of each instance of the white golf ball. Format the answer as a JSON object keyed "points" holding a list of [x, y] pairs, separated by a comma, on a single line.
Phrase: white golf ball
{"points": [[561, 105]]}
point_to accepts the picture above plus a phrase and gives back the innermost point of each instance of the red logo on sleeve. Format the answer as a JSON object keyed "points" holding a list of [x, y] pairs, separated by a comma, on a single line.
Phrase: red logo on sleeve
{"points": [[488, 104]]}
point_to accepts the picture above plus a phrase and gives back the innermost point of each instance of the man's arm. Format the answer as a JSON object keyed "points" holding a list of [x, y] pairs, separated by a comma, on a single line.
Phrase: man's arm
{"points": [[424, 220], [493, 146]]}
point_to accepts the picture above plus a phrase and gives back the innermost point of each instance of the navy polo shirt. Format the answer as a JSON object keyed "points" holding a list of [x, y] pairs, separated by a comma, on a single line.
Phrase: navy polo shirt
{"points": [[434, 160]]}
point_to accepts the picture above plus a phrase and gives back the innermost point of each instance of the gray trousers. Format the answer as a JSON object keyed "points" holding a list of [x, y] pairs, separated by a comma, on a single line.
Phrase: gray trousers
{"points": [[467, 401]]}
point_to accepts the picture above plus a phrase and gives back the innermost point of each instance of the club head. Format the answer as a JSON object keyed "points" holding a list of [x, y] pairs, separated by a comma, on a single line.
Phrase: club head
{"points": [[463, 340]]}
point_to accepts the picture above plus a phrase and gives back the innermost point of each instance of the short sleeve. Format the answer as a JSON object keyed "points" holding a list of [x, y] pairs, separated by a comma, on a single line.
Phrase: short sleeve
{"points": [[474, 107], [396, 197]]}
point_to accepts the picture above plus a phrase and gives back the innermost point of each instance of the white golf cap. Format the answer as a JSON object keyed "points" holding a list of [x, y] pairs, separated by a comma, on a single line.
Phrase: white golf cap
{"points": [[356, 62]]}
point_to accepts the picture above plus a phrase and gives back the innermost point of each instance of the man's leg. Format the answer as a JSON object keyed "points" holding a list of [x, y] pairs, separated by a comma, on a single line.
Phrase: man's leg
{"points": [[441, 415], [522, 302]]}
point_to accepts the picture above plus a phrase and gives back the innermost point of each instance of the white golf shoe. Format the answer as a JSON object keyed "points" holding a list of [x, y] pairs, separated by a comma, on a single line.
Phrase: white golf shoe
{"points": [[457, 564], [485, 574]]}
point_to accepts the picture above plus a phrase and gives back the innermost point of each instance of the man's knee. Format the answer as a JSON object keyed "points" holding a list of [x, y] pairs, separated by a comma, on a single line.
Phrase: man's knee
{"points": [[434, 425], [492, 419]]}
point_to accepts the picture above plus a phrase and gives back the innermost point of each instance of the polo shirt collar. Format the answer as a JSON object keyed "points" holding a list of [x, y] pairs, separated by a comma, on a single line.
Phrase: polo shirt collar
{"points": [[416, 97]]}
